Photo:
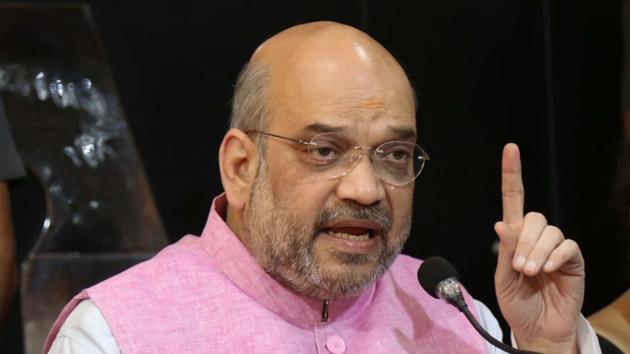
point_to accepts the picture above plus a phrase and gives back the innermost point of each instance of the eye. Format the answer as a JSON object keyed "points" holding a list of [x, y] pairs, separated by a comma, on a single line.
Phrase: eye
{"points": [[324, 153], [396, 154]]}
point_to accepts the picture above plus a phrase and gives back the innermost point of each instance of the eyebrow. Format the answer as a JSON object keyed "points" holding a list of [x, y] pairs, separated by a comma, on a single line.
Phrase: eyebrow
{"points": [[399, 133], [323, 128], [403, 133]]}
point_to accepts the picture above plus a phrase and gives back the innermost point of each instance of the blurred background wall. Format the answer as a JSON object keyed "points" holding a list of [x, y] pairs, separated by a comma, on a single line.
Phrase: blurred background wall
{"points": [[544, 74]]}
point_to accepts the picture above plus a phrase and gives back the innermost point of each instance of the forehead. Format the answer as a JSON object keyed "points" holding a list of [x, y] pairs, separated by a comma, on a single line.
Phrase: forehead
{"points": [[363, 98]]}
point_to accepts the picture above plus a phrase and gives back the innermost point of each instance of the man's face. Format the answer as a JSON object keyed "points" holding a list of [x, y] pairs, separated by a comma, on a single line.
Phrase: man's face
{"points": [[330, 237]]}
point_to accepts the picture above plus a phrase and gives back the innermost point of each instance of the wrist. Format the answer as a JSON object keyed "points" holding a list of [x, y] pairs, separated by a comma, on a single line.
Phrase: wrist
{"points": [[543, 345]]}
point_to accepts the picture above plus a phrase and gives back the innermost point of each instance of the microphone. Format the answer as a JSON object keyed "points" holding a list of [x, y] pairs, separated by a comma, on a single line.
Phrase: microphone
{"points": [[438, 278]]}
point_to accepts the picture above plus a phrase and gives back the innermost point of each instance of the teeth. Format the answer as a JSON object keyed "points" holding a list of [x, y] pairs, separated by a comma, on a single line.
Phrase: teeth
{"points": [[343, 235]]}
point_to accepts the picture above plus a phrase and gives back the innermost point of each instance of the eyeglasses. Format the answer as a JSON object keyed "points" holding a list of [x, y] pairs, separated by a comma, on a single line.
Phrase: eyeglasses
{"points": [[332, 155]]}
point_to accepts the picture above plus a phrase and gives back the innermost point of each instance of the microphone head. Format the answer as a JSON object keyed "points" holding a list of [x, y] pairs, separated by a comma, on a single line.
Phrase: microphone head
{"points": [[432, 272]]}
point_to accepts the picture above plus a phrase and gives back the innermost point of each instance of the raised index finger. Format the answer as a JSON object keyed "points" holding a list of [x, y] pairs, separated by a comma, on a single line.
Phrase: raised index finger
{"points": [[512, 191]]}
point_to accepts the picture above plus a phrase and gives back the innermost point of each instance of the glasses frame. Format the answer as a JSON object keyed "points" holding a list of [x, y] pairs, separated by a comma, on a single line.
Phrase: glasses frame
{"points": [[424, 155]]}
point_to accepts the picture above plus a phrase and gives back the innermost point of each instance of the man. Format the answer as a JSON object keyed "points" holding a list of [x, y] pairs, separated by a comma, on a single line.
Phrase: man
{"points": [[301, 252]]}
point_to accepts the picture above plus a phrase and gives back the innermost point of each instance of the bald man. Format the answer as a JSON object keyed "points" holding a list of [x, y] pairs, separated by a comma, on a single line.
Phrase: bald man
{"points": [[301, 252]]}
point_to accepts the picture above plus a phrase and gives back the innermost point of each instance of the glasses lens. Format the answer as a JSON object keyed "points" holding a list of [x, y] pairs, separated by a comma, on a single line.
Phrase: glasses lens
{"points": [[327, 153], [331, 155], [399, 162]]}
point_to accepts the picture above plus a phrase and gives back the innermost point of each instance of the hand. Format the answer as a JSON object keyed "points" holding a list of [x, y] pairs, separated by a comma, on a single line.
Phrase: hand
{"points": [[540, 275]]}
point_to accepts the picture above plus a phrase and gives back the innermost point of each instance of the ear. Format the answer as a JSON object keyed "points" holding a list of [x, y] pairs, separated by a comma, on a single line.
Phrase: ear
{"points": [[238, 162]]}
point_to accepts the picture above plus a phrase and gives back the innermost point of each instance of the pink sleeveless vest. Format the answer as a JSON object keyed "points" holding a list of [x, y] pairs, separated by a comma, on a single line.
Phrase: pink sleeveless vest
{"points": [[207, 295]]}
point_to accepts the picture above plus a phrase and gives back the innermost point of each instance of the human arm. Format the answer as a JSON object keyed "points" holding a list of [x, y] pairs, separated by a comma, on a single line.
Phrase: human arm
{"points": [[539, 279], [586, 337]]}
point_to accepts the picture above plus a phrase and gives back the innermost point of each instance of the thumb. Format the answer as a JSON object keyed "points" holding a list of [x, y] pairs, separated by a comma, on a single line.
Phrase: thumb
{"points": [[507, 246]]}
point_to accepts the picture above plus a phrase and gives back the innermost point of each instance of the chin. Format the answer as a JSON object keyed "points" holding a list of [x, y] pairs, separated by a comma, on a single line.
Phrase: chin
{"points": [[348, 272], [341, 280]]}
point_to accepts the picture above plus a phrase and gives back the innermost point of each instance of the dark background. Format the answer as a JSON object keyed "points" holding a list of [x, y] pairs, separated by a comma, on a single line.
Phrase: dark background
{"points": [[543, 74]]}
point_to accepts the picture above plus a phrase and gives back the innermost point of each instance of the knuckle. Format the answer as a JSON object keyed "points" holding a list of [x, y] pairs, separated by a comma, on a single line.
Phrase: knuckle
{"points": [[554, 231], [569, 249], [534, 216], [512, 191], [571, 244]]}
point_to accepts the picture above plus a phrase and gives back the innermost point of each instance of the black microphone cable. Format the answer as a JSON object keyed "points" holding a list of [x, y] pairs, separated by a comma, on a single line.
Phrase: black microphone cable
{"points": [[439, 279]]}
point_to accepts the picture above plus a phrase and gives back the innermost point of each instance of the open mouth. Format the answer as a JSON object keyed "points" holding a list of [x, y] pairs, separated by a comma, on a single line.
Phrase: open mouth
{"points": [[351, 233], [352, 236]]}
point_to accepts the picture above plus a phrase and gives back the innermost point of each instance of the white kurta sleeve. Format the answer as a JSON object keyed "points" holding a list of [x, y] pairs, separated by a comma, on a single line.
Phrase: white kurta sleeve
{"points": [[587, 339], [490, 324], [85, 331]]}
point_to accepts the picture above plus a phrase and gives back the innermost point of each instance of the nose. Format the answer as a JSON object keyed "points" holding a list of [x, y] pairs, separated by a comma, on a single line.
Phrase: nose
{"points": [[361, 184]]}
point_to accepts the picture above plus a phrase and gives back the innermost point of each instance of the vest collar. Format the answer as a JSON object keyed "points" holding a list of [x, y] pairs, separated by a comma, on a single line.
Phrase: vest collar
{"points": [[235, 261]]}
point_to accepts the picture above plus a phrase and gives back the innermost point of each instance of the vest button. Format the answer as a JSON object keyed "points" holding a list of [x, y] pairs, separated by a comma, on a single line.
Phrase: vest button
{"points": [[335, 345]]}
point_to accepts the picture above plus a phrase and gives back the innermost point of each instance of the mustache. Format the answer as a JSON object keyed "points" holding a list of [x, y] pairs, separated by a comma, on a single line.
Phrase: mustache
{"points": [[375, 213]]}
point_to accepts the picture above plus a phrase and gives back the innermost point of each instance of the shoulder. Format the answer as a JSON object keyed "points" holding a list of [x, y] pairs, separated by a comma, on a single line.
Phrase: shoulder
{"points": [[183, 255], [85, 330], [172, 269]]}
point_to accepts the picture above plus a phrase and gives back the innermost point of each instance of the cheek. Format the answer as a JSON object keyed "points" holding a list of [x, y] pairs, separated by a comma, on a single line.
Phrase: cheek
{"points": [[304, 200], [292, 188], [401, 200], [284, 169]]}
